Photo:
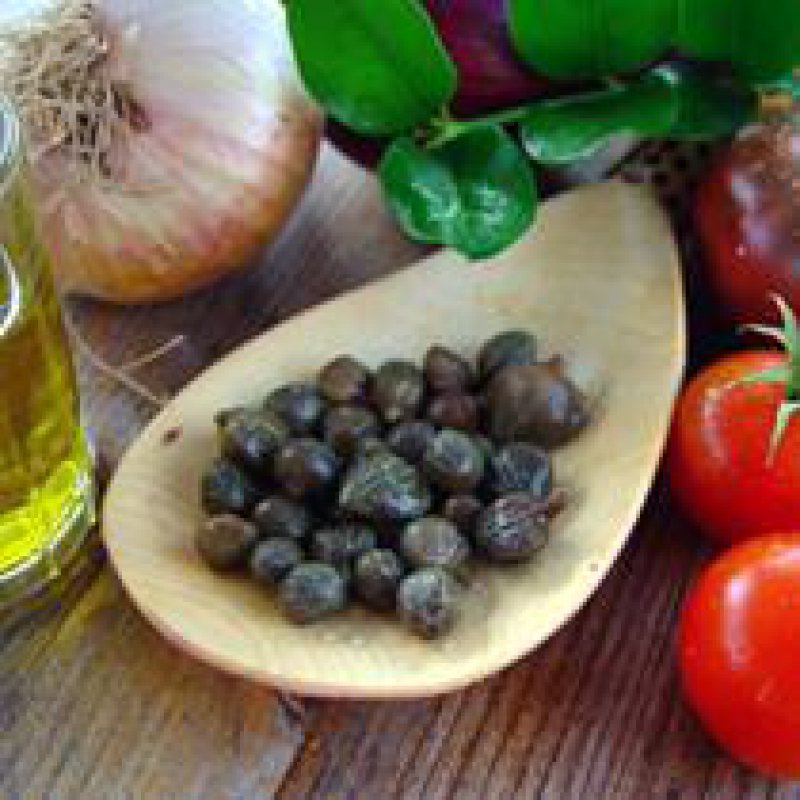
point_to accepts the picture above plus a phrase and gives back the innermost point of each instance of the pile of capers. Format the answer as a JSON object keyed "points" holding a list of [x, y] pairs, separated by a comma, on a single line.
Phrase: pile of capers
{"points": [[383, 486]]}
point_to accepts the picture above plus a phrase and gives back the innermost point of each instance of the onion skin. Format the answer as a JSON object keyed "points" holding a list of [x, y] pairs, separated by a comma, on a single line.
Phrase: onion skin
{"points": [[491, 77], [747, 216], [213, 142], [129, 277]]}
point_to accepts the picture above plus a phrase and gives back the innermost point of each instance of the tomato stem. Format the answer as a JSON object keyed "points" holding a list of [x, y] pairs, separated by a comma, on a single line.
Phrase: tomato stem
{"points": [[787, 374]]}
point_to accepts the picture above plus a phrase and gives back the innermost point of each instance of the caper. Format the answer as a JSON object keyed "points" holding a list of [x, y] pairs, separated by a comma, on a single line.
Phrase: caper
{"points": [[225, 541], [383, 488], [521, 467], [457, 411], [410, 440], [512, 529], [463, 511], [398, 389], [447, 372], [453, 462], [485, 445], [507, 349], [537, 404], [306, 468], [312, 591], [346, 426], [299, 405], [344, 381], [427, 602], [370, 446], [225, 489], [340, 546], [251, 437], [377, 577], [279, 517], [273, 559], [434, 542]]}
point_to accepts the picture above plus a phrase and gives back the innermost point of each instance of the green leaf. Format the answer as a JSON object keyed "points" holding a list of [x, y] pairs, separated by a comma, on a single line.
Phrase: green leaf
{"points": [[598, 38], [760, 39], [706, 107], [377, 67], [590, 38], [570, 128], [476, 193], [665, 102]]}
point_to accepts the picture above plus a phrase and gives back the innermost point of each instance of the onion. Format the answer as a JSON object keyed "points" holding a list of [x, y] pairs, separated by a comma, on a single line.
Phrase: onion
{"points": [[490, 76], [169, 138]]}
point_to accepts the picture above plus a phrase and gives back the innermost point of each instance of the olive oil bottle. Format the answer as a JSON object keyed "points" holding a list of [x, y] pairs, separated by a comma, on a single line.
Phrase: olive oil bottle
{"points": [[46, 489]]}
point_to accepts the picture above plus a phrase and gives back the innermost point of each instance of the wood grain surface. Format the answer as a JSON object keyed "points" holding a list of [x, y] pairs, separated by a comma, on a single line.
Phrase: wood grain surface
{"points": [[94, 704]]}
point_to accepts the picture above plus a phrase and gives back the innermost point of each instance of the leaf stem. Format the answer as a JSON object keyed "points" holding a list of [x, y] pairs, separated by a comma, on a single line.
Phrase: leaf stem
{"points": [[444, 129]]}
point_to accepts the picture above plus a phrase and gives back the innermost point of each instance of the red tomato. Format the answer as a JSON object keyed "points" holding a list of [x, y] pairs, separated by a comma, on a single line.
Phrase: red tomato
{"points": [[718, 456], [747, 216], [739, 647]]}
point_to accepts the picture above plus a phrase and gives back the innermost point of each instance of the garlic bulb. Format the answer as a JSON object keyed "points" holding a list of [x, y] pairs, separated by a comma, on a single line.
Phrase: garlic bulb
{"points": [[168, 139]]}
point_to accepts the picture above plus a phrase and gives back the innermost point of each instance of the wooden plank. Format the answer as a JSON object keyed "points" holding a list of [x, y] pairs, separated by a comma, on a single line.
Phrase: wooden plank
{"points": [[93, 704]]}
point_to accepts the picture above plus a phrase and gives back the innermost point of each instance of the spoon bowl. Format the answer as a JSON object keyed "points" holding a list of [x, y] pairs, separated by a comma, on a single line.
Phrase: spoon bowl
{"points": [[597, 280]]}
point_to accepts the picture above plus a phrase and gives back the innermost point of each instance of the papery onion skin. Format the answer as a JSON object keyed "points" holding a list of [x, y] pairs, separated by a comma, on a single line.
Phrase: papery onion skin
{"points": [[227, 144]]}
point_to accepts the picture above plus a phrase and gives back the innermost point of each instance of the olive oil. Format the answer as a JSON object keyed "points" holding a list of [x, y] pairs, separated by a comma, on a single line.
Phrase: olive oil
{"points": [[46, 491]]}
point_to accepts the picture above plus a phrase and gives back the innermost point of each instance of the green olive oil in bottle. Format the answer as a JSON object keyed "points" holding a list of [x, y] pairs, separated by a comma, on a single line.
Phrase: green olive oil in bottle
{"points": [[46, 486]]}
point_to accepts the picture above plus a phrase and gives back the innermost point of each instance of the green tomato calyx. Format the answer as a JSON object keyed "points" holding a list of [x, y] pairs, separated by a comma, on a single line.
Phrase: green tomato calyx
{"points": [[787, 374]]}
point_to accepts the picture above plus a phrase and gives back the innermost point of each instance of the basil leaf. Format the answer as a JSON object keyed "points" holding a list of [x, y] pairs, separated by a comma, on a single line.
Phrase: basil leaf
{"points": [[377, 67], [596, 38], [590, 38], [704, 107], [668, 102], [567, 129], [760, 40], [476, 193]]}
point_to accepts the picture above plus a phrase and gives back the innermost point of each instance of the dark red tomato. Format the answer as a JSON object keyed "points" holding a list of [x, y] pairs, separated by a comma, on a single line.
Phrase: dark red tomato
{"points": [[719, 462], [747, 215], [739, 649]]}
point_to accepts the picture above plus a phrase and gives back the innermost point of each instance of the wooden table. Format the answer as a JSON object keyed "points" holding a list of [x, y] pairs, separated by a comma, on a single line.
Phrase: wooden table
{"points": [[95, 705]]}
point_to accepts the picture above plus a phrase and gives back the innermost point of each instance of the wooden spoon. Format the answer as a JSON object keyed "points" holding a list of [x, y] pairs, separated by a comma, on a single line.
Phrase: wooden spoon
{"points": [[598, 279]]}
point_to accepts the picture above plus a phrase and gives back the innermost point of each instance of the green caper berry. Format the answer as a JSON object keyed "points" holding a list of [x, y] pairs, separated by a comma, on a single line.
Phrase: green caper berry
{"points": [[398, 389], [299, 405], [377, 577], [273, 559], [346, 426], [279, 517], [225, 541], [410, 440], [512, 529], [453, 462], [344, 381], [510, 348], [306, 468], [446, 371], [226, 489], [427, 602], [434, 542], [521, 467], [340, 546], [251, 437], [312, 591]]}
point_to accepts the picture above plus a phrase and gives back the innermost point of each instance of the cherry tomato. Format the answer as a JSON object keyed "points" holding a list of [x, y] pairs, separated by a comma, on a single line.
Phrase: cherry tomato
{"points": [[721, 470], [739, 649], [747, 216]]}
